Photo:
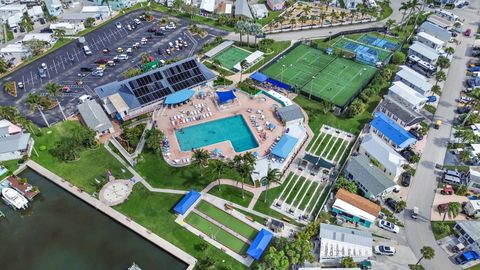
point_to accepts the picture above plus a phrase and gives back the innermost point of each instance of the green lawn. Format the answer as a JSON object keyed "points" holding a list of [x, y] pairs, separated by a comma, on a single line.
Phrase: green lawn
{"points": [[316, 141], [273, 50], [153, 210], [335, 148], [326, 141], [293, 190], [232, 194], [256, 218], [341, 150], [329, 146], [93, 164], [271, 16], [312, 192], [300, 192], [228, 220], [231, 56], [10, 35], [10, 165], [161, 175], [220, 235], [438, 235], [314, 208]]}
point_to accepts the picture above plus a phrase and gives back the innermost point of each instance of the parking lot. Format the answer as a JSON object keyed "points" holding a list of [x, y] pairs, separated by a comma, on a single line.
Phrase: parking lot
{"points": [[63, 65]]}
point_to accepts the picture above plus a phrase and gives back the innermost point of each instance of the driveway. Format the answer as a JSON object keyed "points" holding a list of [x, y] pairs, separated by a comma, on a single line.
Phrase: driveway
{"points": [[423, 186], [62, 70]]}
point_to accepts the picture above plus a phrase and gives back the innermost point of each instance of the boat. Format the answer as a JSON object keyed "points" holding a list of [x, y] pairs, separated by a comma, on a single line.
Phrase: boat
{"points": [[14, 199], [134, 267]]}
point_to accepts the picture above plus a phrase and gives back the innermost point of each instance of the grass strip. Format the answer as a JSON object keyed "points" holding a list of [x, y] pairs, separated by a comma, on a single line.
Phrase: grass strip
{"points": [[335, 149], [232, 194], [314, 144], [324, 144], [310, 193], [339, 153], [295, 190], [301, 192]]}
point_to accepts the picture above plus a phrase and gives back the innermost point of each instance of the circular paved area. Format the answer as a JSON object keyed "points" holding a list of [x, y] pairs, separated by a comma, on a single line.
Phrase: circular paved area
{"points": [[115, 192]]}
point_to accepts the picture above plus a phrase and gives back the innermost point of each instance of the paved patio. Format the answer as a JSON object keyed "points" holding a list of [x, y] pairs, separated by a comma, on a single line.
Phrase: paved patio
{"points": [[440, 199]]}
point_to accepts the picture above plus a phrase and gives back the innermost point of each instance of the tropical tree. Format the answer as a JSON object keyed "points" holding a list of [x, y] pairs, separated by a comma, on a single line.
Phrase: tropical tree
{"points": [[178, 5], [33, 100], [326, 106], [348, 262], [153, 140], [333, 15], [466, 135], [55, 90], [449, 50], [273, 176], [388, 24], [248, 31], [243, 64], [3, 65], [89, 22], [400, 206], [427, 252], [343, 14], [257, 30], [222, 19], [27, 22], [59, 33], [344, 183], [436, 89], [218, 169], [404, 7], [302, 20], [36, 46], [353, 12], [443, 62], [440, 76], [307, 9], [356, 107], [466, 156], [292, 22], [240, 29], [200, 158], [322, 18]]}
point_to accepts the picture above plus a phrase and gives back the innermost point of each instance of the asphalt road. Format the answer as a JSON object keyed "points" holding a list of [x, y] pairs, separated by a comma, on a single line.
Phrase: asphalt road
{"points": [[422, 190], [62, 70]]}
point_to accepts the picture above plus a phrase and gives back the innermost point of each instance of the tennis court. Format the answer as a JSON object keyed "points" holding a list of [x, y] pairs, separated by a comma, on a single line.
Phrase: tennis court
{"points": [[340, 81], [297, 67], [231, 56], [378, 42], [356, 46]]}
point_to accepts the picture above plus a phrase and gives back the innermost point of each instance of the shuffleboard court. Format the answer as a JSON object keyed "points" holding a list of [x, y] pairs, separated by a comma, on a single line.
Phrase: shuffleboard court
{"points": [[231, 56]]}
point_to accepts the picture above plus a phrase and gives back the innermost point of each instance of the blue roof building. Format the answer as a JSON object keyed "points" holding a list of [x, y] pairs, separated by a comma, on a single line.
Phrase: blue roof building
{"points": [[285, 146], [186, 202], [260, 244], [390, 131]]}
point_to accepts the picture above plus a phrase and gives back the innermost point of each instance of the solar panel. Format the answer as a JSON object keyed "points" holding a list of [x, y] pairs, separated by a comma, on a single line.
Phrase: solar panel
{"points": [[149, 88]]}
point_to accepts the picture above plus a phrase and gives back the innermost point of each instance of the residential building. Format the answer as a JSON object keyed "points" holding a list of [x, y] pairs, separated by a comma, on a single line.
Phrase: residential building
{"points": [[224, 8], [424, 52], [352, 4], [290, 114], [429, 40], [93, 116], [469, 234], [383, 155], [436, 31], [354, 208], [440, 22], [134, 96], [414, 80], [259, 11], [407, 96], [98, 12], [15, 53], [76, 17], [54, 7], [10, 10], [391, 132], [242, 10], [14, 142], [207, 5], [276, 5], [372, 180], [474, 179], [14, 20], [117, 4], [447, 15], [338, 242], [69, 28], [36, 13], [402, 115], [47, 37]]}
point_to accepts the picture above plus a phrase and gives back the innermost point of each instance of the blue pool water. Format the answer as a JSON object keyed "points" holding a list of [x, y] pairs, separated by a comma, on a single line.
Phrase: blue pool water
{"points": [[233, 129]]}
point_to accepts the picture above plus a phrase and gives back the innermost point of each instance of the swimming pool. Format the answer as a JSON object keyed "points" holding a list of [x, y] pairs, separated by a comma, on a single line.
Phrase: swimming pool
{"points": [[233, 129]]}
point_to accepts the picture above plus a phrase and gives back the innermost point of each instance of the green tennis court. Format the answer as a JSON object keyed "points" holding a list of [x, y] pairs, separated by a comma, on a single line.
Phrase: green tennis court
{"points": [[217, 233], [340, 81], [350, 45], [231, 56], [297, 67]]}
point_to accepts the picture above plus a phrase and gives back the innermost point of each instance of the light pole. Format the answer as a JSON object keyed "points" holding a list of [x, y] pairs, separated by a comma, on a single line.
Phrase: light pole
{"points": [[283, 70], [311, 88], [329, 38]]}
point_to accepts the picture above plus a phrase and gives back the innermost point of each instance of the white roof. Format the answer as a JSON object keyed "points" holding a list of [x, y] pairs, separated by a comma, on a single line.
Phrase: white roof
{"points": [[14, 19], [279, 97], [353, 210], [14, 48], [339, 242], [228, 8], [476, 149], [424, 50], [444, 23], [475, 205], [383, 153], [13, 7], [35, 11], [414, 78], [61, 25], [39, 36], [219, 48], [259, 10], [406, 93], [208, 5], [431, 38], [95, 9], [250, 59]]}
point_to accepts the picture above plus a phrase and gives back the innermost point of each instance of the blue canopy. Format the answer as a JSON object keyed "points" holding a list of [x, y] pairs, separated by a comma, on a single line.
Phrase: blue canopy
{"points": [[226, 96], [284, 146], [259, 77], [260, 244], [186, 202], [179, 97]]}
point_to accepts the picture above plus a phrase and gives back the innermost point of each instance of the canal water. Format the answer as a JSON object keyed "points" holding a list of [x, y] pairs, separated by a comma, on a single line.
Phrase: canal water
{"points": [[59, 231]]}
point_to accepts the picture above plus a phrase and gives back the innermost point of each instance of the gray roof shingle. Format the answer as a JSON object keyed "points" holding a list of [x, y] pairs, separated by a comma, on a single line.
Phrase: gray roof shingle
{"points": [[290, 113], [472, 228], [405, 114], [347, 235], [94, 116]]}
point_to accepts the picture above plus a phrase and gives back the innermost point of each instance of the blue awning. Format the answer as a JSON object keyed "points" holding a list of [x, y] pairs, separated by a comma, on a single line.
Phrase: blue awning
{"points": [[260, 244], [179, 97], [187, 201], [259, 77], [284, 146], [226, 96]]}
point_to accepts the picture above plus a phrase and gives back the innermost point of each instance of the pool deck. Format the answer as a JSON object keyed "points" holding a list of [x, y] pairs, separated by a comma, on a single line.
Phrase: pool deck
{"points": [[112, 213], [261, 103]]}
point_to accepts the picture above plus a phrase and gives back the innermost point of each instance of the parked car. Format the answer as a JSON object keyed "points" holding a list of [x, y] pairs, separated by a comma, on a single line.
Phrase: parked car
{"points": [[447, 190], [42, 72], [129, 27], [42, 21], [384, 250], [84, 98], [386, 225], [467, 32], [466, 257], [152, 29], [123, 57], [97, 73], [416, 133], [86, 69], [106, 50], [137, 21], [463, 109], [46, 30], [406, 177], [66, 89], [159, 33], [118, 25], [392, 204], [129, 51], [101, 61], [20, 85]]}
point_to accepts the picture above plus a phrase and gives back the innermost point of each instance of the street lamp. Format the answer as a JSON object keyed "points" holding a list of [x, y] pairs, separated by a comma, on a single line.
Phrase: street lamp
{"points": [[311, 87], [329, 38], [283, 70]]}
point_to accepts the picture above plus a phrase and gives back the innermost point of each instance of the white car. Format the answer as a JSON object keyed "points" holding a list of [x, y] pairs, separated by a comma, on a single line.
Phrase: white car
{"points": [[118, 25], [388, 226], [137, 21], [20, 85], [129, 50], [384, 250], [123, 57]]}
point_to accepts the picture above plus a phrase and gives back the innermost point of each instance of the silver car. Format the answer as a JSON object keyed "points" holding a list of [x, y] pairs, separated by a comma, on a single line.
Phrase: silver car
{"points": [[384, 250]]}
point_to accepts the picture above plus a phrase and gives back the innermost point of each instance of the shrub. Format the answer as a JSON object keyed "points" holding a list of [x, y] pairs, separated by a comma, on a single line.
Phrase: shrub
{"points": [[398, 58], [10, 88], [356, 108]]}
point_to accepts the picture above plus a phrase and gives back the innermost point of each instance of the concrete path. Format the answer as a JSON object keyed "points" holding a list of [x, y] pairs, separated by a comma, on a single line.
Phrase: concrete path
{"points": [[112, 213]]}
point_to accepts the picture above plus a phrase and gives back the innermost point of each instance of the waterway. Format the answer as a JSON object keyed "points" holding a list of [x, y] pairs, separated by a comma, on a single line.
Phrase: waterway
{"points": [[59, 231]]}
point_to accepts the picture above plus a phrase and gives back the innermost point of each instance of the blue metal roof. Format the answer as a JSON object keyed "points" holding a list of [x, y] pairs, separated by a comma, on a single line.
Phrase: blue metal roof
{"points": [[225, 96], [284, 146], [187, 201], [179, 97], [259, 77], [392, 130], [260, 244]]}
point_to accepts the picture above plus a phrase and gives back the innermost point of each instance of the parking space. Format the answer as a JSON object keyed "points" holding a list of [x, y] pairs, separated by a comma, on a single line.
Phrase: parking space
{"points": [[64, 65]]}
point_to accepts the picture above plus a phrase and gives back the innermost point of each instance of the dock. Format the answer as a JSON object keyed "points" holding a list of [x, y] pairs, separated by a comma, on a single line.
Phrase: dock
{"points": [[25, 189]]}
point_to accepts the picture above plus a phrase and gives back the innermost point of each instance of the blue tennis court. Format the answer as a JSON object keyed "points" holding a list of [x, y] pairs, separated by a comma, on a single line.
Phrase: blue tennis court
{"points": [[378, 42]]}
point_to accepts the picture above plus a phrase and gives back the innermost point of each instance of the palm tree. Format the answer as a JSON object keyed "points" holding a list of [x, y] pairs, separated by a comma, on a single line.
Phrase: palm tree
{"points": [[200, 157], [302, 20], [219, 169], [249, 158], [307, 9], [59, 33], [273, 176], [388, 24], [465, 135], [449, 51], [292, 22], [3, 65], [353, 12], [475, 106], [440, 77], [240, 29], [403, 6], [243, 63], [333, 15], [453, 209], [343, 14], [55, 90], [248, 32], [443, 62], [322, 17], [33, 100], [427, 253], [436, 89], [312, 19]]}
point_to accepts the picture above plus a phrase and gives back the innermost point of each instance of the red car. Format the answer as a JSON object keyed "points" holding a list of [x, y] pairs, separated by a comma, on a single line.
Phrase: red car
{"points": [[101, 61], [66, 89], [467, 32]]}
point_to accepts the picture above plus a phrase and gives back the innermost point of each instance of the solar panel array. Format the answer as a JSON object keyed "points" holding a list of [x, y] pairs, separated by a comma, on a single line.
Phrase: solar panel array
{"points": [[149, 88], [184, 75]]}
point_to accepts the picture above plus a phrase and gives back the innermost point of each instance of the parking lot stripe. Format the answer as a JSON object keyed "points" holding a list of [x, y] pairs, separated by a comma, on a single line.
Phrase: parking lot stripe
{"points": [[63, 64]]}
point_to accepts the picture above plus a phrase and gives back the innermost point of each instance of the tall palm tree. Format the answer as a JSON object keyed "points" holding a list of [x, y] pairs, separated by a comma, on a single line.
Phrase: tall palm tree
{"points": [[389, 24], [273, 176], [248, 32], [302, 20], [322, 17], [343, 14], [200, 158], [440, 77], [292, 22], [449, 51], [307, 9], [353, 12], [219, 169], [243, 63], [453, 209], [240, 29], [465, 135], [312, 19], [54, 89], [33, 100], [333, 15], [404, 7], [476, 104], [427, 252]]}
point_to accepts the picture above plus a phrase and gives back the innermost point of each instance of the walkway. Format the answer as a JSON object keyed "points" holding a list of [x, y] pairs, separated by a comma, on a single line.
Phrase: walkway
{"points": [[112, 213]]}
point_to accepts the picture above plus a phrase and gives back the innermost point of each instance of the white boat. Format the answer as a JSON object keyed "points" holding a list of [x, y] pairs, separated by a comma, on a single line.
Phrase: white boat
{"points": [[15, 199]]}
